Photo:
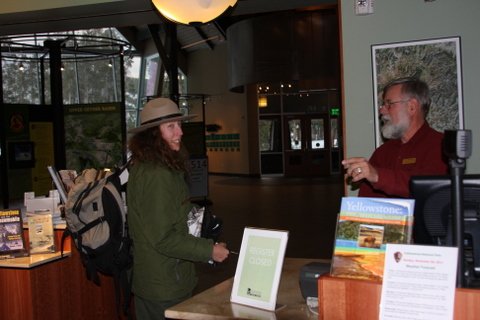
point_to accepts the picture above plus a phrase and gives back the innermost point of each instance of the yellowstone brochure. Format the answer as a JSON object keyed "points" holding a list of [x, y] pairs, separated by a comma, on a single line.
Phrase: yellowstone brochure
{"points": [[259, 268], [364, 227]]}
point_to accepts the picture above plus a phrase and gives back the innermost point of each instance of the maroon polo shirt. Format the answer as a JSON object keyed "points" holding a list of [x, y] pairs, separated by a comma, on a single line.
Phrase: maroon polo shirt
{"points": [[397, 162]]}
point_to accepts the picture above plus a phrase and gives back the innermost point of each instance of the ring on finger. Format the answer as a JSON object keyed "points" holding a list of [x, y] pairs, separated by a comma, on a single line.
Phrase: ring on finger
{"points": [[359, 170]]}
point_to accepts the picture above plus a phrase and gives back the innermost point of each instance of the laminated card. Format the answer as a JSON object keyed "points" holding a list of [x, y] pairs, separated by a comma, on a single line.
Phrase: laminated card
{"points": [[364, 227], [40, 231], [419, 283], [259, 268]]}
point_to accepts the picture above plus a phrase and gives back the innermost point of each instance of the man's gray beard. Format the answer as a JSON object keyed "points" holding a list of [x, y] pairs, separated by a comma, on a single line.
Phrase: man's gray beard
{"points": [[393, 131]]}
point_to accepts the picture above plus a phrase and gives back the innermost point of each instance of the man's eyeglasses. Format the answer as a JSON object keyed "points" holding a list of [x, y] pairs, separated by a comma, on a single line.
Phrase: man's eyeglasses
{"points": [[388, 104]]}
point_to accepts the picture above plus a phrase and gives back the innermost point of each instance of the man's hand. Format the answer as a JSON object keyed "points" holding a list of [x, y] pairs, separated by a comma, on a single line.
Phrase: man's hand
{"points": [[358, 168]]}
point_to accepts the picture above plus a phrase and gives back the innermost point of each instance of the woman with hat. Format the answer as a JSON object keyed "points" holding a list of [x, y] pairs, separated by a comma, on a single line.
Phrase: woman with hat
{"points": [[158, 205]]}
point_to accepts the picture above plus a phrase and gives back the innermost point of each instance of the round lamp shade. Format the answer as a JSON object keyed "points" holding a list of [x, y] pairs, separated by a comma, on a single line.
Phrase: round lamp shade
{"points": [[192, 11]]}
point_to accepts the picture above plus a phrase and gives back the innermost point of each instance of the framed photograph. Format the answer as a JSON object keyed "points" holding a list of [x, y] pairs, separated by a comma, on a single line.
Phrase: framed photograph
{"points": [[435, 61]]}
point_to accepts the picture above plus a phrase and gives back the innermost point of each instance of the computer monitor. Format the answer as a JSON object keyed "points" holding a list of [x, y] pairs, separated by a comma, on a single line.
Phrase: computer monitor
{"points": [[433, 218]]}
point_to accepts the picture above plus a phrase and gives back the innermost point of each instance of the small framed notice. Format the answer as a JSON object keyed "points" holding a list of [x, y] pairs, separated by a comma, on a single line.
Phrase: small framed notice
{"points": [[40, 231], [259, 268], [419, 282]]}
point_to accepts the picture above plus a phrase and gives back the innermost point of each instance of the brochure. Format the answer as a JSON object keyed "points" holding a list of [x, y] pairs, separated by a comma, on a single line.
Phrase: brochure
{"points": [[364, 227], [40, 232], [12, 241]]}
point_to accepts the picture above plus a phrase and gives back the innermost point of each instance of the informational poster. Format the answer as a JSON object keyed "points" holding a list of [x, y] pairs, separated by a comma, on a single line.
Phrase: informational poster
{"points": [[259, 268], [419, 282], [92, 136]]}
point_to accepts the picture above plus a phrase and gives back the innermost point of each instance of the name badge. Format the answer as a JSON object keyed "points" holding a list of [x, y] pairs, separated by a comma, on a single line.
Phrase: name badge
{"points": [[409, 161]]}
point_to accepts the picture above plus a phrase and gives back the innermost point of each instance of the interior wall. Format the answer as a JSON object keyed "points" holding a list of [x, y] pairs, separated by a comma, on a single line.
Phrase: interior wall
{"points": [[397, 21], [208, 74]]}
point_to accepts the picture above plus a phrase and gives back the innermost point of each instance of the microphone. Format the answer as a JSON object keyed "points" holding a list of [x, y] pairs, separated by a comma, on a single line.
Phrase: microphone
{"points": [[457, 144]]}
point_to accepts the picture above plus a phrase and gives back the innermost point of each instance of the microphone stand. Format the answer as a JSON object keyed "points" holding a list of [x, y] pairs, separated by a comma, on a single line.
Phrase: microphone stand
{"points": [[457, 168]]}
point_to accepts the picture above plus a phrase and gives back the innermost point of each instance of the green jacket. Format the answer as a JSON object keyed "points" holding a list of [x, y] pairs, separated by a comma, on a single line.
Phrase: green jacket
{"points": [[164, 251]]}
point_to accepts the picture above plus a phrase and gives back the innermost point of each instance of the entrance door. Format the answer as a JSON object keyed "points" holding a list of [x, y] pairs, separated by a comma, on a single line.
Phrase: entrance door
{"points": [[307, 145]]}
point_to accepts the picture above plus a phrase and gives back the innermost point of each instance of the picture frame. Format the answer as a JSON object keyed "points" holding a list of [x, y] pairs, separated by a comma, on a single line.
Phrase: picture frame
{"points": [[435, 61], [259, 268]]}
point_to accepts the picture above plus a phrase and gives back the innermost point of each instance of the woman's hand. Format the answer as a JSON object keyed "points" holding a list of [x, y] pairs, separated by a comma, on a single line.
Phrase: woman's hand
{"points": [[220, 252]]}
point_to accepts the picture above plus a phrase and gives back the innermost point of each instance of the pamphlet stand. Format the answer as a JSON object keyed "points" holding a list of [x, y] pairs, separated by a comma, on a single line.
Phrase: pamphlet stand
{"points": [[343, 299]]}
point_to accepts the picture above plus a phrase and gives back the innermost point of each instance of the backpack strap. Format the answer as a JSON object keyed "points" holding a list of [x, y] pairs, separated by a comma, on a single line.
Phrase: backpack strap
{"points": [[65, 235], [90, 269], [90, 225], [78, 203]]}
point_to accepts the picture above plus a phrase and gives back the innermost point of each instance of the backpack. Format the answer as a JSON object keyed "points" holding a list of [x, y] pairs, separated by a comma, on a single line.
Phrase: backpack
{"points": [[212, 226], [97, 222]]}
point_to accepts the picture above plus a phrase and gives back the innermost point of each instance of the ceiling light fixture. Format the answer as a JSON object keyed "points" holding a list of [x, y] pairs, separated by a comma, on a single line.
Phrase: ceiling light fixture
{"points": [[193, 11]]}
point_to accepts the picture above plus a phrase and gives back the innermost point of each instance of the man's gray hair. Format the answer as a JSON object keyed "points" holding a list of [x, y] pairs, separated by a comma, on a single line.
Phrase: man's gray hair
{"points": [[413, 88]]}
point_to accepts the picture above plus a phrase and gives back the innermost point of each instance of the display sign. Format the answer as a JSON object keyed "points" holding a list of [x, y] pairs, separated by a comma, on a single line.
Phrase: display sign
{"points": [[259, 268], [419, 282]]}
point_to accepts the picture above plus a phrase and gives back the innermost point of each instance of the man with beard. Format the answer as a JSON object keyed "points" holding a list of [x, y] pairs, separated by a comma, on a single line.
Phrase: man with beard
{"points": [[412, 147]]}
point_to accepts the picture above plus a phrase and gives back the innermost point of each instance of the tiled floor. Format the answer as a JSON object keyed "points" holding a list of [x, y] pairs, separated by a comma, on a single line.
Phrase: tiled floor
{"points": [[306, 207]]}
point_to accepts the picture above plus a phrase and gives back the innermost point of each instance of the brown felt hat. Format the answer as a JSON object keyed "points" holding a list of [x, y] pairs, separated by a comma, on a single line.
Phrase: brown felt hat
{"points": [[158, 111]]}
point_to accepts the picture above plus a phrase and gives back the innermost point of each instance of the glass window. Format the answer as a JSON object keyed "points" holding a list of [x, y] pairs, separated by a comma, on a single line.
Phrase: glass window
{"points": [[317, 128], [295, 134], [334, 132], [132, 89], [270, 135], [182, 82], [21, 80], [91, 81], [151, 78]]}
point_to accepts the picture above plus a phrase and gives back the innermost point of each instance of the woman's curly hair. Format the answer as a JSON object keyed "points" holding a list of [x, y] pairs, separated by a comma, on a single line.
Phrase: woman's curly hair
{"points": [[149, 146]]}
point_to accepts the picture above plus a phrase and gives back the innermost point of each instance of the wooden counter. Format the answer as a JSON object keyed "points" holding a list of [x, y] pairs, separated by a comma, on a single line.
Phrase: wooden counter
{"points": [[56, 289], [33, 260], [346, 299], [214, 303]]}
